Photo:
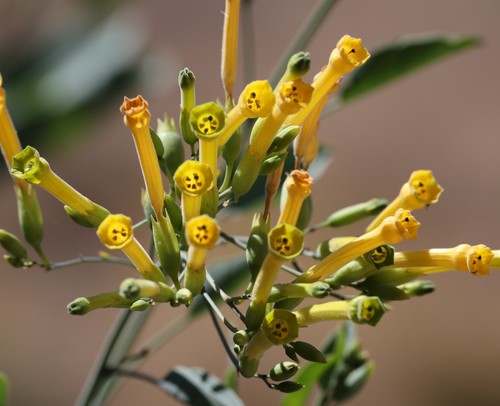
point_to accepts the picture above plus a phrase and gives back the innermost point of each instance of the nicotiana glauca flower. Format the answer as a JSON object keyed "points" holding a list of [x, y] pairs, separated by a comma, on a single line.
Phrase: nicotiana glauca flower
{"points": [[137, 118], [116, 232], [298, 65], [362, 310], [30, 166], [291, 97], [296, 187], [421, 190], [230, 37], [348, 55], [202, 233], [279, 327], [256, 100], [134, 289], [464, 257], [391, 231], [84, 305], [285, 242], [193, 178]]}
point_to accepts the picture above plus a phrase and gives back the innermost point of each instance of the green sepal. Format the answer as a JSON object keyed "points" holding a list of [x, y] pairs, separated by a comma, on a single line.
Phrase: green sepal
{"points": [[387, 293], [298, 65], [186, 131], [282, 291], [157, 144], [141, 304], [194, 279], [231, 149], [167, 248], [17, 262], [308, 351], [353, 271], [187, 87], [78, 217], [283, 371], [13, 245]]}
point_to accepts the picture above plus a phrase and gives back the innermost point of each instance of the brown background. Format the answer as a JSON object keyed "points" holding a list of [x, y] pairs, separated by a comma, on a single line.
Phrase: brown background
{"points": [[437, 350]]}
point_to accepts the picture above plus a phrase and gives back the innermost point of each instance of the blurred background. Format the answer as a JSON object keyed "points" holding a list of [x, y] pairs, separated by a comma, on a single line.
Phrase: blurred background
{"points": [[66, 66]]}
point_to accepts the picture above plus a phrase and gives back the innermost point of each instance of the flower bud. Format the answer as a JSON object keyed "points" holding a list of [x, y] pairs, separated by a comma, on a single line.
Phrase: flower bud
{"points": [[283, 371], [186, 84], [13, 245], [418, 287], [173, 148]]}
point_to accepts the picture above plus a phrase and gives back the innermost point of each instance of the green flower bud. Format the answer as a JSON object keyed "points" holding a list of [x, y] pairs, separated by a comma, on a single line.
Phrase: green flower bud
{"points": [[78, 218], [298, 65], [141, 304], [174, 213], [284, 138], [240, 338], [132, 289], [12, 244], [245, 176], [308, 351], [256, 250], [355, 270], [184, 296], [283, 371], [167, 248], [364, 309], [282, 291], [356, 212], [83, 305], [418, 287], [272, 162], [395, 276], [186, 84], [288, 387], [173, 149]]}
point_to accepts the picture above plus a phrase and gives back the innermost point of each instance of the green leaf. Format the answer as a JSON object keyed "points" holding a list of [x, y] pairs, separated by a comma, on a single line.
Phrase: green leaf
{"points": [[290, 353], [288, 387], [354, 381], [195, 386], [4, 389], [308, 351], [400, 58]]}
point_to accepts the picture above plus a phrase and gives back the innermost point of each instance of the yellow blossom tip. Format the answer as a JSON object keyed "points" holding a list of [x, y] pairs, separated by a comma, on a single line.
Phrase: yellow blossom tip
{"points": [[406, 224], [293, 96], [286, 241], [28, 165], [135, 111], [280, 326], [425, 187], [193, 177], [202, 232], [478, 259], [257, 99], [207, 120], [116, 231], [299, 182], [352, 50]]}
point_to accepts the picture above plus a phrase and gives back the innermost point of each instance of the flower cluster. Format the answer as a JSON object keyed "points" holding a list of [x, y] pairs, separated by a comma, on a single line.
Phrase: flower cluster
{"points": [[224, 166]]}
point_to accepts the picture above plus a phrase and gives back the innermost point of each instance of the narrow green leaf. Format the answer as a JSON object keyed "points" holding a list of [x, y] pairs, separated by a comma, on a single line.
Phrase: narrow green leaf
{"points": [[290, 353], [308, 351], [195, 386], [400, 58]]}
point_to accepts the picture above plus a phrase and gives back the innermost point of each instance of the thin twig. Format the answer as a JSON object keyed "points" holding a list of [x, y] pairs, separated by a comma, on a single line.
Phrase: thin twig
{"points": [[96, 259]]}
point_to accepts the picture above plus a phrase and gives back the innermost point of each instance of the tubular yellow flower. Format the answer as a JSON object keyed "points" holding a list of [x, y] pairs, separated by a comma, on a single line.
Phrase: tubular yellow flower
{"points": [[348, 55], [298, 187], [464, 257], [193, 179], [116, 232], [391, 231], [361, 310], [230, 46], [30, 166], [134, 289], [291, 98], [285, 242], [202, 233], [84, 305], [256, 100], [137, 118], [421, 190], [279, 328]]}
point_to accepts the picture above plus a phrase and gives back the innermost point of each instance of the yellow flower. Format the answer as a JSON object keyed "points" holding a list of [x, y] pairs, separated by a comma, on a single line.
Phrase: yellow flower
{"points": [[285, 242], [348, 55], [391, 231], [361, 310], [421, 190], [464, 257], [256, 100], [30, 166], [116, 232], [137, 119], [297, 186], [202, 233], [193, 179]]}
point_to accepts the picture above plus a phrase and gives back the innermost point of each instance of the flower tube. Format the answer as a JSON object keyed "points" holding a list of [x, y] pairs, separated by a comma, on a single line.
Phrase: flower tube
{"points": [[421, 190], [297, 187], [202, 233], [285, 242], [137, 118], [30, 166], [348, 55], [116, 233], [230, 46], [391, 231], [193, 178], [360, 310]]}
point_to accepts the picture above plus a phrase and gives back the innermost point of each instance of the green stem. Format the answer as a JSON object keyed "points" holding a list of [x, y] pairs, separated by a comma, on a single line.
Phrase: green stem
{"points": [[85, 260], [302, 38]]}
